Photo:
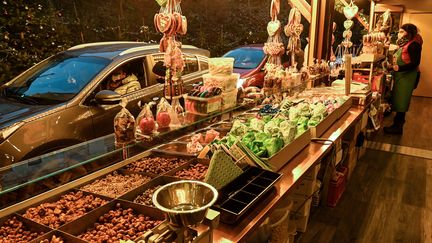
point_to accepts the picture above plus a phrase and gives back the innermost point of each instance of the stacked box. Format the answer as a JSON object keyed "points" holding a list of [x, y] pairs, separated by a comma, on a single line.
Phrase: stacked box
{"points": [[221, 75]]}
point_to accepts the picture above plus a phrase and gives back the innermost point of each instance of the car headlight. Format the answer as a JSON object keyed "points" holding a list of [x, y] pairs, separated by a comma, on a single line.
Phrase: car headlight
{"points": [[7, 131]]}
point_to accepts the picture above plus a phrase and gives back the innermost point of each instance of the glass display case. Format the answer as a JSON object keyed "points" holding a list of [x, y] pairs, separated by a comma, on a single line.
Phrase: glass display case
{"points": [[31, 177]]}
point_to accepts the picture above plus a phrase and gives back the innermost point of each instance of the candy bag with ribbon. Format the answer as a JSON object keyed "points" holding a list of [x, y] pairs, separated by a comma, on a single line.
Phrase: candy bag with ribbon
{"points": [[145, 122]]}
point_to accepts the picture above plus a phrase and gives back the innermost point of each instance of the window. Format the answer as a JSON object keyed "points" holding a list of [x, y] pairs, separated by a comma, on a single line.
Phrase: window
{"points": [[191, 64], [203, 64], [126, 78], [57, 80]]}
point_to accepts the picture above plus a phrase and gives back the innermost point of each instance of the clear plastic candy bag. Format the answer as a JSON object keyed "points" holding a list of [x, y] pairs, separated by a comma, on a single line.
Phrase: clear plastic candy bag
{"points": [[124, 127], [145, 122]]}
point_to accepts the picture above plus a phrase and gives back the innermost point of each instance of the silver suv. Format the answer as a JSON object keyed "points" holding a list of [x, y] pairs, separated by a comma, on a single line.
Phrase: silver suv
{"points": [[63, 100]]}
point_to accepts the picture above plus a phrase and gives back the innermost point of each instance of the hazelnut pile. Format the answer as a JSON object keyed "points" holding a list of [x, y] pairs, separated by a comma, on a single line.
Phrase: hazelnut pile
{"points": [[115, 185], [146, 197], [54, 239], [119, 224], [68, 208], [15, 231], [156, 165], [193, 172]]}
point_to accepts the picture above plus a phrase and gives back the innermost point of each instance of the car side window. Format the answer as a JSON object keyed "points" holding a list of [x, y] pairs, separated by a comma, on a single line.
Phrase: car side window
{"points": [[127, 78], [124, 79], [191, 64]]}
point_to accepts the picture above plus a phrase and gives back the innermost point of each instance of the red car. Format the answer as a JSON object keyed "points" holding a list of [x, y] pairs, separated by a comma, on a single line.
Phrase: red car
{"points": [[249, 62]]}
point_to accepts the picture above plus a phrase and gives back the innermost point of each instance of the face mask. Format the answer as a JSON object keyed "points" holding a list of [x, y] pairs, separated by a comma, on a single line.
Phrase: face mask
{"points": [[402, 41]]}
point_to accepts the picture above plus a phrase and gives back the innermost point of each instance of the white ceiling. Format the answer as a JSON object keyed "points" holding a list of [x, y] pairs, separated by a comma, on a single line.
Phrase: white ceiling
{"points": [[411, 5]]}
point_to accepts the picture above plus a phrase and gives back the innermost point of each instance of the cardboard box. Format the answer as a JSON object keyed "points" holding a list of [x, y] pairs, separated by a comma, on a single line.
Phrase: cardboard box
{"points": [[304, 188], [312, 173], [301, 223], [301, 205]]}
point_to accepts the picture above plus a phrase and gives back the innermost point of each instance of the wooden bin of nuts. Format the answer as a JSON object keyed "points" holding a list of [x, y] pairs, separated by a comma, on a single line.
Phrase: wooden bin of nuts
{"points": [[157, 164], [15, 228], [63, 208], [194, 170], [56, 236], [115, 221], [143, 194], [116, 184]]}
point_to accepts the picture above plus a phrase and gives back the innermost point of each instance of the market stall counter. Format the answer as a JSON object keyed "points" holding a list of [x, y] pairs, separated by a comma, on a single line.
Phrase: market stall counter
{"points": [[292, 172], [247, 223]]}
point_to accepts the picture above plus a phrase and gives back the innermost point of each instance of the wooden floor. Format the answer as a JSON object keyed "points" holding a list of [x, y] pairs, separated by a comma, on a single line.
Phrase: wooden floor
{"points": [[389, 196]]}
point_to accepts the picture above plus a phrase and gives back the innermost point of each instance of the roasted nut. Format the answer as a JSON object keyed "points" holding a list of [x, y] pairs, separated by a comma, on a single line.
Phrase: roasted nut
{"points": [[115, 185], [193, 172], [146, 197], [9, 232], [128, 227], [156, 165], [68, 208]]}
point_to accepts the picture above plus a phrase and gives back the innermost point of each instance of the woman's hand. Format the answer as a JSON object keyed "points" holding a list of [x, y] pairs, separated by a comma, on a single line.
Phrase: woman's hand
{"points": [[396, 68]]}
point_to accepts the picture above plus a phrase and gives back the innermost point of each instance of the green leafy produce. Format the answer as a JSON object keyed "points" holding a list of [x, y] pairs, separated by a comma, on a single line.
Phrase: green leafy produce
{"points": [[273, 145], [239, 129], [267, 118], [271, 128], [261, 136], [289, 131], [257, 124]]}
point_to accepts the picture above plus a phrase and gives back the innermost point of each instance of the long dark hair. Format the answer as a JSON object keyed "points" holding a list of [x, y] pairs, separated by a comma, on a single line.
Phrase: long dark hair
{"points": [[410, 29]]}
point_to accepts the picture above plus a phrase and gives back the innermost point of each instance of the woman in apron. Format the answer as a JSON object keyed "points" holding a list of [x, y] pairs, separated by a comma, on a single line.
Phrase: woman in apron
{"points": [[406, 74]]}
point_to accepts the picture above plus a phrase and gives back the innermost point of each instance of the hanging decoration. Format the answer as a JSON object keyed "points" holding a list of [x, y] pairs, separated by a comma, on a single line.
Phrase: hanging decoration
{"points": [[377, 41], [170, 22], [274, 48], [293, 30], [350, 12]]}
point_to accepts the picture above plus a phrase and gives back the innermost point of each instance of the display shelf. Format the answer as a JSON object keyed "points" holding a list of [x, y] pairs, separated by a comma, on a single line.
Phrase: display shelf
{"points": [[371, 57]]}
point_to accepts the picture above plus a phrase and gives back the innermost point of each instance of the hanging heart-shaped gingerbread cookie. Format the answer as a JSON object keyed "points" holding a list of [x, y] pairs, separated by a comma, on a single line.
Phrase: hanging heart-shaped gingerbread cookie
{"points": [[350, 11], [273, 27], [164, 22], [348, 24], [184, 25], [347, 34]]}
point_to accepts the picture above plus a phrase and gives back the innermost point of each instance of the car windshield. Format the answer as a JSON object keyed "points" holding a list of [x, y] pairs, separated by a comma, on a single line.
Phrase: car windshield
{"points": [[55, 80], [246, 58]]}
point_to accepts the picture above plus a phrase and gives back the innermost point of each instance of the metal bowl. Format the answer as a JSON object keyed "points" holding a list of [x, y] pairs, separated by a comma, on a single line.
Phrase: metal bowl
{"points": [[185, 202]]}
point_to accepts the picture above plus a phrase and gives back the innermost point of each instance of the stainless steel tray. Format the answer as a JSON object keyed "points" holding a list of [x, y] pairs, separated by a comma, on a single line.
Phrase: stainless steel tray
{"points": [[87, 222], [30, 225], [120, 171], [58, 197], [67, 238], [154, 154], [158, 181], [185, 166]]}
